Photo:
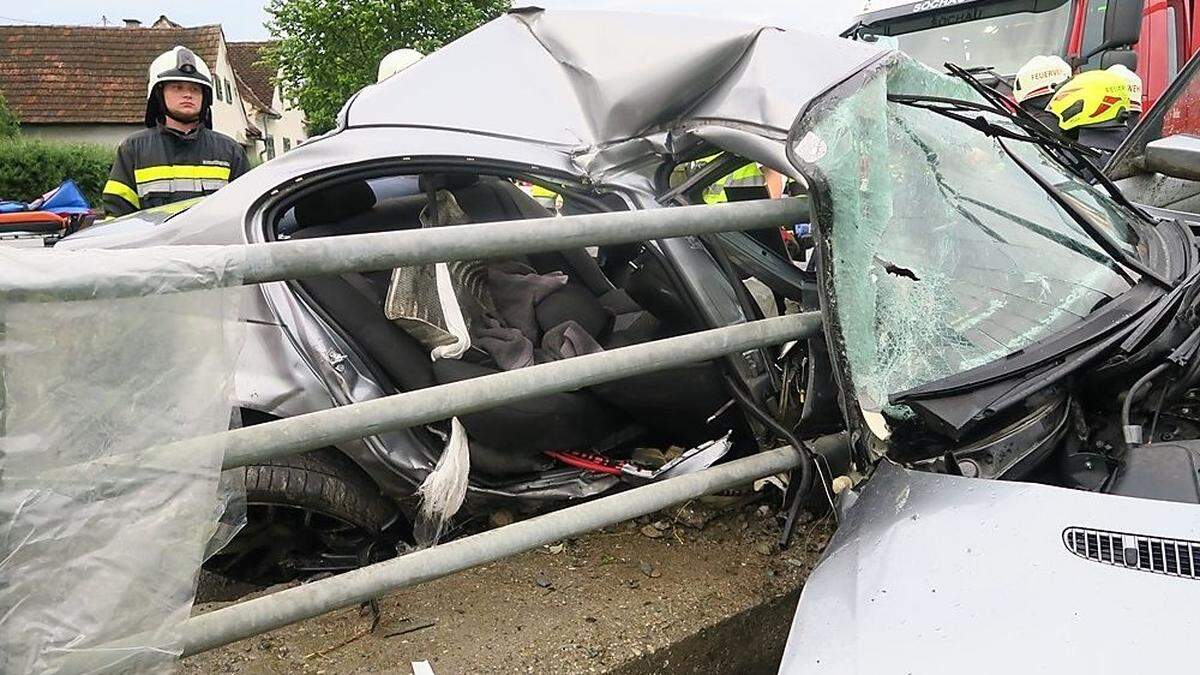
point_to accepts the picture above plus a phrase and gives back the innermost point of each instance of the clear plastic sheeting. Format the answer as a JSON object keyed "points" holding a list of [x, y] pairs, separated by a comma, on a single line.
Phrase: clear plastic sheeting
{"points": [[946, 255], [101, 537]]}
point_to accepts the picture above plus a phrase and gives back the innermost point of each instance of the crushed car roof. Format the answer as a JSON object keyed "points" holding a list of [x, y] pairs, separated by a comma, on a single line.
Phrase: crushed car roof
{"points": [[582, 81]]}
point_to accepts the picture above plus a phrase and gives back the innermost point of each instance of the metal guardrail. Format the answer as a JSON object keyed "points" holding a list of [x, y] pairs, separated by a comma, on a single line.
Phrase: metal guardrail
{"points": [[276, 610], [257, 263], [250, 445], [294, 259]]}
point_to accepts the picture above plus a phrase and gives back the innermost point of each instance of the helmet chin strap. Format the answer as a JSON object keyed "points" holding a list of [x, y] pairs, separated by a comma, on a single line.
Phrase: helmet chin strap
{"points": [[194, 120]]}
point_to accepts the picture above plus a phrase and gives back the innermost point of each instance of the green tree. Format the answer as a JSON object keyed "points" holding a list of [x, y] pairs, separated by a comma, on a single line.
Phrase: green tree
{"points": [[326, 50], [9, 127]]}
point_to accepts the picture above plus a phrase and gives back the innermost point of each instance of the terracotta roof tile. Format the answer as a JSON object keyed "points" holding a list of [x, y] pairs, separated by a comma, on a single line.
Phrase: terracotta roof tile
{"points": [[246, 58], [63, 74], [250, 97]]}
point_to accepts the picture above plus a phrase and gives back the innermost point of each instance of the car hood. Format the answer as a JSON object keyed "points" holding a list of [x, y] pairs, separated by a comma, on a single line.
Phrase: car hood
{"points": [[932, 573]]}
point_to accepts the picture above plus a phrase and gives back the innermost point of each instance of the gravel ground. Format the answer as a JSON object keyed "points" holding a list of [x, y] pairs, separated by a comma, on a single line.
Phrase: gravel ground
{"points": [[610, 600]]}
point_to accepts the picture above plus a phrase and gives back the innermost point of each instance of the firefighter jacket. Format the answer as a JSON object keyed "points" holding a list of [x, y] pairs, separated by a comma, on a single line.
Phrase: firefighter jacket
{"points": [[161, 166]]}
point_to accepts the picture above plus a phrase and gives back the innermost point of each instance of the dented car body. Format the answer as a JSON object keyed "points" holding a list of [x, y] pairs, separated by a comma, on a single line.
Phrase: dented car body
{"points": [[986, 313]]}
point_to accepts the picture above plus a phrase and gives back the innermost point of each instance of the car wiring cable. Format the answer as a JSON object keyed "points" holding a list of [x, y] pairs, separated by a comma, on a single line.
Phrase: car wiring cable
{"points": [[810, 470], [1162, 396], [1133, 391], [587, 461]]}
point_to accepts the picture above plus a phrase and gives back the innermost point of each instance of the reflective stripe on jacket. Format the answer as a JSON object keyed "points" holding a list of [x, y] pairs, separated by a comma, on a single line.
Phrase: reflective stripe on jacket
{"points": [[747, 176], [162, 166]]}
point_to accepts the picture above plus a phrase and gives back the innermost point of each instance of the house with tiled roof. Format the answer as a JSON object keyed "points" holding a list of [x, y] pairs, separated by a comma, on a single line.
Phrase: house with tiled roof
{"points": [[84, 83], [282, 124]]}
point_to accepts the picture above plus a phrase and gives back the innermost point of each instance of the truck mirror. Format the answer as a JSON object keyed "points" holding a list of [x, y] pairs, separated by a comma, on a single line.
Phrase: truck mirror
{"points": [[1122, 26], [1125, 57], [1177, 156]]}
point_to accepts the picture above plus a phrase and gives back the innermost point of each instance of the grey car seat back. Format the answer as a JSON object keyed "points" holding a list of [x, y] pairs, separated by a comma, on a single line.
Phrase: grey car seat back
{"points": [[596, 419]]}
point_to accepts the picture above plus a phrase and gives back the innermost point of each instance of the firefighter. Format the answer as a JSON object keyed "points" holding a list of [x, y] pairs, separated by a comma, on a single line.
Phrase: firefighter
{"points": [[178, 156], [749, 176], [1093, 108], [1036, 83]]}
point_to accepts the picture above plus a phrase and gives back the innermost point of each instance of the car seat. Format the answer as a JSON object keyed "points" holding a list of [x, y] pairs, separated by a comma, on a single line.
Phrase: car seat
{"points": [[673, 406]]}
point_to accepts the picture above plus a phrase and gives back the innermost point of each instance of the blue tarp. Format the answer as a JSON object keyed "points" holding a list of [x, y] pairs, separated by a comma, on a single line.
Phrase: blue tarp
{"points": [[64, 199]]}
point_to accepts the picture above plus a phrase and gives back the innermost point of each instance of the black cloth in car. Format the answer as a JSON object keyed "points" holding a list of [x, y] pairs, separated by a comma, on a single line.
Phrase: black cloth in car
{"points": [[565, 421]]}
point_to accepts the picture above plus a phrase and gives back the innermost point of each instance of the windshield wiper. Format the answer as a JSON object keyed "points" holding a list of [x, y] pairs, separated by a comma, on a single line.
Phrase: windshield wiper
{"points": [[958, 110], [1082, 155], [1086, 220]]}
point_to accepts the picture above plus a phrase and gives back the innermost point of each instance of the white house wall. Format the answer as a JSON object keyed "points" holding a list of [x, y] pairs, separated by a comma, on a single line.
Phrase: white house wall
{"points": [[290, 125], [229, 118]]}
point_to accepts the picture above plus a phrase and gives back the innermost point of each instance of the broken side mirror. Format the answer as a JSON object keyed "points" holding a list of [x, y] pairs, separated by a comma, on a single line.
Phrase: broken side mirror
{"points": [[1122, 27], [1177, 156]]}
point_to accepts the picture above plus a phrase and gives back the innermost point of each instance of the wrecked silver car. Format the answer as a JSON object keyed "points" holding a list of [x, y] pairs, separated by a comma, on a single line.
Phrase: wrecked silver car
{"points": [[998, 330], [534, 97]]}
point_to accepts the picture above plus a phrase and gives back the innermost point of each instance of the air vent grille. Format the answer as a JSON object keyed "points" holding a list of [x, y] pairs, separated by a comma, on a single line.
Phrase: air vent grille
{"points": [[1174, 557]]}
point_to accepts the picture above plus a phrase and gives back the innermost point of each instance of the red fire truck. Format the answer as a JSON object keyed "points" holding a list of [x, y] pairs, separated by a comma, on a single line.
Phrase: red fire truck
{"points": [[1155, 37]]}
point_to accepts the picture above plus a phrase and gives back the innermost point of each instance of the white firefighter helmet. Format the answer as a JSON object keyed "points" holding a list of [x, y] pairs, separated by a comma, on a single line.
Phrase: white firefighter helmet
{"points": [[1039, 76], [397, 61], [1133, 82], [178, 64]]}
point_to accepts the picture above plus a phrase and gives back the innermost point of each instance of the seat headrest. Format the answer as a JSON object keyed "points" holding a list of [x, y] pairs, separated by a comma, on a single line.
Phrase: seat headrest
{"points": [[335, 203], [446, 181]]}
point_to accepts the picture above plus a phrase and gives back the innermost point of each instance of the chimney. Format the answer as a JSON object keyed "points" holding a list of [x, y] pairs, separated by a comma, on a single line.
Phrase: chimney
{"points": [[133, 23]]}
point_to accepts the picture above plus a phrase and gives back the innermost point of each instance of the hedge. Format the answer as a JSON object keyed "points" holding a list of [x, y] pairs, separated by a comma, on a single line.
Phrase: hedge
{"points": [[9, 127], [30, 167]]}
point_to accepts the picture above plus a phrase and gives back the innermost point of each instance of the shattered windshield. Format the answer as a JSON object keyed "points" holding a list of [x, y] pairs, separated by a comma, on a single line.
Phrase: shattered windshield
{"points": [[944, 253]]}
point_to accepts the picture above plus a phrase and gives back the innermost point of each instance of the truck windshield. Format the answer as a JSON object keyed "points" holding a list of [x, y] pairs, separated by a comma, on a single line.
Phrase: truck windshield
{"points": [[1004, 43]]}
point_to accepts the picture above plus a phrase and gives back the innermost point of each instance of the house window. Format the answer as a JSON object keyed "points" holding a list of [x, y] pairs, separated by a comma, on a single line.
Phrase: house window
{"points": [[228, 91], [287, 144], [217, 91], [269, 141]]}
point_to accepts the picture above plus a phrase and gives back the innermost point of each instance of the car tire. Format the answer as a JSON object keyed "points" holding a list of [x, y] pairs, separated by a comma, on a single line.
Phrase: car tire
{"points": [[306, 515]]}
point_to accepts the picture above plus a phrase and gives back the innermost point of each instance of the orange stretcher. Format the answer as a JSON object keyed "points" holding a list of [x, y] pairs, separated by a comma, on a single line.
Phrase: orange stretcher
{"points": [[32, 221]]}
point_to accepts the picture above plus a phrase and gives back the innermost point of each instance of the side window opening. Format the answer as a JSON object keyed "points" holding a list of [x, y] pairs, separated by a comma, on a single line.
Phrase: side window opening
{"points": [[741, 180], [592, 305]]}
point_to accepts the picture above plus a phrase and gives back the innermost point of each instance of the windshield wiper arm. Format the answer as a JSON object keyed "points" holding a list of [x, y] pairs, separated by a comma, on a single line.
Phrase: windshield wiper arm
{"points": [[1068, 203], [1086, 220], [956, 109], [1082, 154]]}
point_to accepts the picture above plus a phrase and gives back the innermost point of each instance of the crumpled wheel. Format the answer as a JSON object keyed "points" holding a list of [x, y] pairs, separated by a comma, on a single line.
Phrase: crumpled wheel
{"points": [[307, 515]]}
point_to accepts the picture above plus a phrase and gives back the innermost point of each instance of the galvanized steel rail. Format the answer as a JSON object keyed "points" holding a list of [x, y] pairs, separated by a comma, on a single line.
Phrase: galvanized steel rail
{"points": [[276, 610], [250, 445], [295, 259], [277, 261]]}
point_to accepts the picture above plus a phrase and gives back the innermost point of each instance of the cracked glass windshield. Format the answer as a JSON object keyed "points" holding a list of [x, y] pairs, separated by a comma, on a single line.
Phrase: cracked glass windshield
{"points": [[944, 253]]}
